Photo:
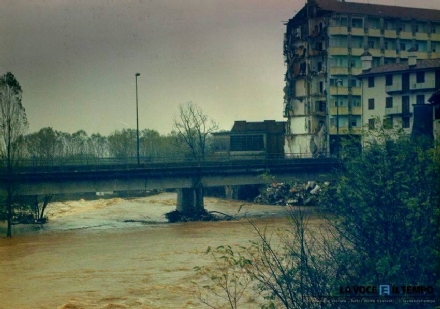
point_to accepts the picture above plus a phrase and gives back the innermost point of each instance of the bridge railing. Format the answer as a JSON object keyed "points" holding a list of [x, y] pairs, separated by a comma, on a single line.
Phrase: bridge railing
{"points": [[88, 163]]}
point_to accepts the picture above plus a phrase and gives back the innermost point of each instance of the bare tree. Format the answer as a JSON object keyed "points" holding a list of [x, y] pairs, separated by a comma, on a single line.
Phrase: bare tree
{"points": [[193, 127], [13, 124]]}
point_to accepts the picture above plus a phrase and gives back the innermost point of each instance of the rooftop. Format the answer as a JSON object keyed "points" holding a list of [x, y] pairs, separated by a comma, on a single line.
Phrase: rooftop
{"points": [[377, 10], [422, 64]]}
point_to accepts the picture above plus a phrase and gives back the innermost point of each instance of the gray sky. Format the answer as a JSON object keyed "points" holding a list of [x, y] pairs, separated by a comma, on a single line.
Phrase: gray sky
{"points": [[76, 59]]}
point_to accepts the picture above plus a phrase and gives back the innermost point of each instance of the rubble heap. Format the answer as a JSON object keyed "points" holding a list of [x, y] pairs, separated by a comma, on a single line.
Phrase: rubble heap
{"points": [[304, 194]]}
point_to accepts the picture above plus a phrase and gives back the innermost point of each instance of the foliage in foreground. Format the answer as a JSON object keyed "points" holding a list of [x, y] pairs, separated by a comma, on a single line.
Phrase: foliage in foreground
{"points": [[378, 225]]}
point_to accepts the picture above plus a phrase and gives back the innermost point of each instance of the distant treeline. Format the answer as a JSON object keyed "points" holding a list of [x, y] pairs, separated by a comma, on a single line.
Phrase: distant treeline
{"points": [[48, 144]]}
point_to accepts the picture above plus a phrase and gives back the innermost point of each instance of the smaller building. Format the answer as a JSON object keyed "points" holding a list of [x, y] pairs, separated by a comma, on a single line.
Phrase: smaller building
{"points": [[251, 140], [389, 92]]}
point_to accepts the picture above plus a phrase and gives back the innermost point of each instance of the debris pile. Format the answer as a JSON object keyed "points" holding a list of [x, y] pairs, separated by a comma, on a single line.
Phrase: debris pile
{"points": [[290, 194]]}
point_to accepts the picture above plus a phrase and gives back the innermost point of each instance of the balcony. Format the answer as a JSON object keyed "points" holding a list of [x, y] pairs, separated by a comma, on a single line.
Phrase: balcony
{"points": [[356, 91], [390, 53], [421, 36], [427, 85], [356, 71], [395, 87], [435, 36], [422, 55], [341, 51], [356, 110], [357, 31], [357, 51], [375, 52], [405, 35], [345, 130], [404, 54], [396, 110], [390, 34], [337, 31], [374, 32], [335, 91], [338, 71], [342, 110]]}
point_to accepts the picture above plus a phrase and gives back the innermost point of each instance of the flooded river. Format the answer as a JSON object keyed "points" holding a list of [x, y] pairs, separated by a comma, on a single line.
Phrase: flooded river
{"points": [[116, 253]]}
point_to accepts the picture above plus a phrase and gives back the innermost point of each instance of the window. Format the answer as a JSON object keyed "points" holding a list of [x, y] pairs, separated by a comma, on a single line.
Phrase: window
{"points": [[247, 142], [405, 122], [433, 48], [420, 99], [371, 82], [389, 80], [389, 25], [371, 124], [402, 46], [389, 102], [415, 28], [420, 77], [371, 44], [356, 102], [319, 66], [370, 103], [336, 82], [353, 122], [387, 123], [321, 87], [356, 22], [320, 106], [405, 104]]}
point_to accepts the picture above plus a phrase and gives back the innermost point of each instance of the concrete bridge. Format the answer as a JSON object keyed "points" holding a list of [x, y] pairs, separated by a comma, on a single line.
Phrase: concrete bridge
{"points": [[189, 178]]}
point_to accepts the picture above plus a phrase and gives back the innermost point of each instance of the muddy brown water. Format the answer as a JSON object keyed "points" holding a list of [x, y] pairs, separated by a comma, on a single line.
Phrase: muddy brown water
{"points": [[118, 253]]}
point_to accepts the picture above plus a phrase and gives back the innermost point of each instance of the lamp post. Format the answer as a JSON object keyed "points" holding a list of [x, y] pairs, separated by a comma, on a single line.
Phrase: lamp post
{"points": [[137, 117]]}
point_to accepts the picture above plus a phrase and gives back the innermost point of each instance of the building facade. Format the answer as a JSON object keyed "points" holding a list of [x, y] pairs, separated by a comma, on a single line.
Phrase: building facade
{"points": [[323, 45], [251, 140], [391, 91]]}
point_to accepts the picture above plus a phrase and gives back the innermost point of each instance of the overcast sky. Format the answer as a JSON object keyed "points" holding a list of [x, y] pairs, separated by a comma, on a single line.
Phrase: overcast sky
{"points": [[76, 59]]}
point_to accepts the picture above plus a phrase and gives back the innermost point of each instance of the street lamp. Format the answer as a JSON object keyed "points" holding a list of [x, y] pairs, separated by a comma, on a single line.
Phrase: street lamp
{"points": [[137, 117]]}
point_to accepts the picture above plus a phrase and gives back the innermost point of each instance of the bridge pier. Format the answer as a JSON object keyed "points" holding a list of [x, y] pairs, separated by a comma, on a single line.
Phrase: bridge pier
{"points": [[231, 192], [190, 200]]}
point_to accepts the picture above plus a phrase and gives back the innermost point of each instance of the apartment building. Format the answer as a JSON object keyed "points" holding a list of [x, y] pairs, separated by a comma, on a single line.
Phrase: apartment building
{"points": [[391, 91], [323, 45]]}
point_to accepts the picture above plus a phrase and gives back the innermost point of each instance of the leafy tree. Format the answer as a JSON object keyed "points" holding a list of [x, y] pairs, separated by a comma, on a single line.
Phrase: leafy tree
{"points": [[122, 144], [379, 224], [44, 145], [13, 124], [385, 211], [98, 146]]}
